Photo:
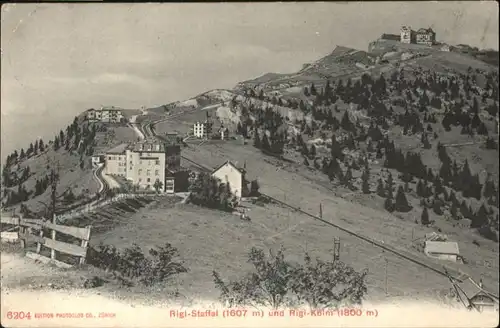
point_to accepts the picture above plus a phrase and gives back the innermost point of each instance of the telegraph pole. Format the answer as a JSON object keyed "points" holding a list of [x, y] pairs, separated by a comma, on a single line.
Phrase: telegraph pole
{"points": [[386, 290]]}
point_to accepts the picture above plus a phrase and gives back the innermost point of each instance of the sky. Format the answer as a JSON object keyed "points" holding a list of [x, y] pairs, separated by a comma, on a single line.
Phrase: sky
{"points": [[58, 60]]}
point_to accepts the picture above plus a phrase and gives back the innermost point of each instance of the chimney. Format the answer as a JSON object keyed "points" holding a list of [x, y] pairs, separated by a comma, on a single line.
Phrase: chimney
{"points": [[480, 283]]}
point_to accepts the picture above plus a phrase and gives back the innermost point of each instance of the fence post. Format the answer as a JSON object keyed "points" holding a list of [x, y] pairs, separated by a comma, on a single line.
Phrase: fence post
{"points": [[39, 244], [22, 231], [53, 251], [84, 244]]}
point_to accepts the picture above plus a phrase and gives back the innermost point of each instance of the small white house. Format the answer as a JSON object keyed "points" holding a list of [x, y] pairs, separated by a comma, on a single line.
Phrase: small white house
{"points": [[443, 250], [97, 159], [230, 173]]}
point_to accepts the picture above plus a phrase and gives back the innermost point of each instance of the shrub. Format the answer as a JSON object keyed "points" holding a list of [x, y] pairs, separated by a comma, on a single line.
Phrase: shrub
{"points": [[133, 264], [275, 282]]}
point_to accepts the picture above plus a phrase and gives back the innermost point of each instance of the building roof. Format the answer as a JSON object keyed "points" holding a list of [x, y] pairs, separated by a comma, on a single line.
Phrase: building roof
{"points": [[241, 170], [425, 30], [108, 108], [118, 149], [148, 145], [394, 37], [471, 289], [442, 247]]}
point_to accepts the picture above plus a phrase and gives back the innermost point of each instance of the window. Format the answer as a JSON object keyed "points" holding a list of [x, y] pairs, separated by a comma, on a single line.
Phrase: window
{"points": [[157, 172], [149, 180], [139, 172], [148, 173], [109, 158], [139, 179], [157, 162]]}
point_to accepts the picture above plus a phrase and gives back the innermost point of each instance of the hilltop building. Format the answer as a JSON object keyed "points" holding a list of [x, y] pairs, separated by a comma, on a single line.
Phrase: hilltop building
{"points": [[105, 114], [406, 34], [145, 162], [424, 36], [235, 176]]}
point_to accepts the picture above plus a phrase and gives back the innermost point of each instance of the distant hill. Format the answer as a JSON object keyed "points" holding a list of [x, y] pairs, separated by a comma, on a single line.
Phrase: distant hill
{"points": [[384, 56]]}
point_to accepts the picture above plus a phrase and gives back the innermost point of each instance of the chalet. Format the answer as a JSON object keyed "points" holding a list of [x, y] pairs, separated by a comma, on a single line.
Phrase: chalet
{"points": [[443, 250], [233, 175], [479, 297], [425, 36]]}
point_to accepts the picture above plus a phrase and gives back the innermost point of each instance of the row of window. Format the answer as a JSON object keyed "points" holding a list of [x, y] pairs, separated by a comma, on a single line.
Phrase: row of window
{"points": [[148, 172], [114, 158]]}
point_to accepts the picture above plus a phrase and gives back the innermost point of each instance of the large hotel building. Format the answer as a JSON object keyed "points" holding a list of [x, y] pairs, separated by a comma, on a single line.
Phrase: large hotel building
{"points": [[145, 162]]}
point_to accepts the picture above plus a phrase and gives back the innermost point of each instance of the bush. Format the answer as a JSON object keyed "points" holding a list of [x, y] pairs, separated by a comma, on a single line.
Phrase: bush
{"points": [[275, 282], [208, 191], [133, 264]]}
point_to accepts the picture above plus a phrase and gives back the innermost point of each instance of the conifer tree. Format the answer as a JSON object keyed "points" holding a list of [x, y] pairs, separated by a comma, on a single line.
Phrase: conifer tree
{"points": [[366, 181], [401, 204], [256, 140], [380, 188], [424, 219]]}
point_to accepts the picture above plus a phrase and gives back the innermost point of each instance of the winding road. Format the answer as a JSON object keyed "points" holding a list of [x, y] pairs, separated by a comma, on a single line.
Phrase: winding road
{"points": [[103, 184]]}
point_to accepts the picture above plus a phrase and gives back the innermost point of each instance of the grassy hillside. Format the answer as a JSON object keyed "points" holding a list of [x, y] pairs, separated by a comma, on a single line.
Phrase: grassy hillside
{"points": [[405, 117]]}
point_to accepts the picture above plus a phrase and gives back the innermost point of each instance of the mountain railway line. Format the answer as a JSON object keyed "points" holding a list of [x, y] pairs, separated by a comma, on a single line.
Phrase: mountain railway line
{"points": [[444, 272]]}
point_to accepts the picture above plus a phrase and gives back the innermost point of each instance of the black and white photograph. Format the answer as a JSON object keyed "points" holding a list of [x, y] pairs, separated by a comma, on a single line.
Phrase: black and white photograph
{"points": [[245, 164]]}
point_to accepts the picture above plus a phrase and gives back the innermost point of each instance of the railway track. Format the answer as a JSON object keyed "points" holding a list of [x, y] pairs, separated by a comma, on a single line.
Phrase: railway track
{"points": [[445, 272]]}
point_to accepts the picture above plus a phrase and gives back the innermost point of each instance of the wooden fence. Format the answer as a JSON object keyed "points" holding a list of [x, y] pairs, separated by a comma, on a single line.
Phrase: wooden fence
{"points": [[32, 231]]}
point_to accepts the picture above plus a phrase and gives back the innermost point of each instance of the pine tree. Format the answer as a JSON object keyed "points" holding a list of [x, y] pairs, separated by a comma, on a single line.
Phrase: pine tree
{"points": [[420, 189], [313, 90], [366, 182], [454, 211], [346, 123], [389, 205], [56, 143], [424, 219], [312, 151], [265, 142], [256, 140], [401, 204], [380, 188], [41, 146], [389, 186], [436, 207], [480, 218]]}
